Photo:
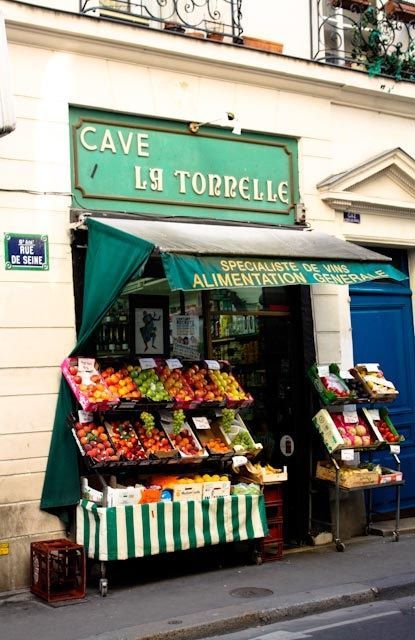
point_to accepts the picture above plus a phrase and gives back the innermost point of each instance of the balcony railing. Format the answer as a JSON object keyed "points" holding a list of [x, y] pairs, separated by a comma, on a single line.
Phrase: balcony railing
{"points": [[212, 19], [377, 37]]}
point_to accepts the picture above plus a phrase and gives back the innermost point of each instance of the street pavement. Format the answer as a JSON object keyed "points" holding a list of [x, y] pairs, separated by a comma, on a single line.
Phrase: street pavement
{"points": [[191, 595]]}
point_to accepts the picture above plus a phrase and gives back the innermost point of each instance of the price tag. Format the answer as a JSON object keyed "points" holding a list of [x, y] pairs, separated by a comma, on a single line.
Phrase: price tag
{"points": [[374, 414], [174, 363], [347, 454], [85, 416], [350, 417], [213, 365], [147, 363], [345, 374], [323, 370], [86, 365], [395, 448], [201, 423]]}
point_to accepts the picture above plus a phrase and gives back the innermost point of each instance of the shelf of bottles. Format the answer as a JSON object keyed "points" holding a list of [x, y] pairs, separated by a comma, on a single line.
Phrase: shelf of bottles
{"points": [[113, 334]]}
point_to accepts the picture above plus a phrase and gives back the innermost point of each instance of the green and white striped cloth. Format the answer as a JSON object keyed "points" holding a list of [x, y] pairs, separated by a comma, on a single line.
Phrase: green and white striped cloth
{"points": [[134, 531]]}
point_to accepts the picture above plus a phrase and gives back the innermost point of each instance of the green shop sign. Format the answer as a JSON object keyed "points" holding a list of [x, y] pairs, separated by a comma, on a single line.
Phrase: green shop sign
{"points": [[196, 273], [142, 165]]}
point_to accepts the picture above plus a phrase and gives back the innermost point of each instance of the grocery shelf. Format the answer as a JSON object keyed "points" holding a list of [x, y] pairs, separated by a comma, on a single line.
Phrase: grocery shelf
{"points": [[241, 336]]}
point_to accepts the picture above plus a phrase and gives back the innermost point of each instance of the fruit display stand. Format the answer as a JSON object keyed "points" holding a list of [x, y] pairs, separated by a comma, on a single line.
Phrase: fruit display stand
{"points": [[362, 431], [167, 421]]}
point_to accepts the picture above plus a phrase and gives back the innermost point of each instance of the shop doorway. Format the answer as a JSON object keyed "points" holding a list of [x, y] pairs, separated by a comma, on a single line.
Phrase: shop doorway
{"points": [[383, 331], [267, 335]]}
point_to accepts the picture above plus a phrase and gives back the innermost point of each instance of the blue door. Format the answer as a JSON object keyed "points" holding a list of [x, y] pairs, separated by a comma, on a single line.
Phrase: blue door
{"points": [[383, 332]]}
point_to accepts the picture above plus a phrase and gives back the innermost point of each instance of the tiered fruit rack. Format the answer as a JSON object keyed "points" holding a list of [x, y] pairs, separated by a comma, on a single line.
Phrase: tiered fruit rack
{"points": [[358, 394]]}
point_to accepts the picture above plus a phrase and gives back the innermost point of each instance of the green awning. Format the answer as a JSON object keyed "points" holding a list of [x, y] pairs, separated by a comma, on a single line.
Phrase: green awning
{"points": [[191, 273], [212, 256]]}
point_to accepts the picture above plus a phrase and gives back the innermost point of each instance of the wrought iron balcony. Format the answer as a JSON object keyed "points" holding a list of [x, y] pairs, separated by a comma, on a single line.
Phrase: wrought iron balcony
{"points": [[213, 19], [371, 35]]}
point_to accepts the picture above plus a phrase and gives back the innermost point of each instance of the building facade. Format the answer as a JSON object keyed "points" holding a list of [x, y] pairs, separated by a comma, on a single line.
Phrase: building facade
{"points": [[356, 145]]}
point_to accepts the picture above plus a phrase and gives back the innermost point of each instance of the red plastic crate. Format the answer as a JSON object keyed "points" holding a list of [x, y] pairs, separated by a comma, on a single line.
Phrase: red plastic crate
{"points": [[272, 551], [275, 531], [57, 570], [274, 510], [272, 493]]}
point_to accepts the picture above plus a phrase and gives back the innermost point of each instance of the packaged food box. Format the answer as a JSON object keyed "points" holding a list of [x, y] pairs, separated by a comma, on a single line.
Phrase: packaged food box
{"points": [[331, 388], [346, 430], [218, 489], [87, 384], [374, 381], [184, 440], [187, 491], [123, 496]]}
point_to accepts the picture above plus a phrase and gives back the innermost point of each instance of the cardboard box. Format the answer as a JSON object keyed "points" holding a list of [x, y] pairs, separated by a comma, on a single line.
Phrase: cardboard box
{"points": [[389, 475], [186, 492], [126, 495], [218, 489], [328, 431]]}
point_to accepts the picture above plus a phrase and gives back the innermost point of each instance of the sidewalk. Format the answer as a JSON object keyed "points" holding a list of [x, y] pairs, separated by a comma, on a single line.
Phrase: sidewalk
{"points": [[199, 599]]}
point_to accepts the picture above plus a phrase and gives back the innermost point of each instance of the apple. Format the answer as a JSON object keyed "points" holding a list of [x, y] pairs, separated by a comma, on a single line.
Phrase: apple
{"points": [[361, 430]]}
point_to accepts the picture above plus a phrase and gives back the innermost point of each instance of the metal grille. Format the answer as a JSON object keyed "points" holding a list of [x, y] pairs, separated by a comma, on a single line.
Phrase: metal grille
{"points": [[213, 19], [368, 35]]}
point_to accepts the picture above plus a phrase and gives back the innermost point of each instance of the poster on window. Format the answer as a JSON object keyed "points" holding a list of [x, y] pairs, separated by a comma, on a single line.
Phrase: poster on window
{"points": [[150, 325], [186, 337]]}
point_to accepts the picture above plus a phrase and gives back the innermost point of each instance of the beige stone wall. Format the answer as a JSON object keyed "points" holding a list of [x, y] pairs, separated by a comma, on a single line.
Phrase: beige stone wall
{"points": [[66, 60]]}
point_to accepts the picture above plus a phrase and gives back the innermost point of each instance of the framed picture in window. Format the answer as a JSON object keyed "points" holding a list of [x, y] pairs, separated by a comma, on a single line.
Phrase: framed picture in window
{"points": [[150, 325]]}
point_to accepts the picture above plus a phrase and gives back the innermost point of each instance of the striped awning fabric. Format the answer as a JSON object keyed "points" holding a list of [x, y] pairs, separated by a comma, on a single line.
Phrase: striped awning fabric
{"points": [[134, 531]]}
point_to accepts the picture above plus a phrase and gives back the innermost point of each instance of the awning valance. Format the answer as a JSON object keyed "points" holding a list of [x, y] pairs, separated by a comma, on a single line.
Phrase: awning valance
{"points": [[212, 256]]}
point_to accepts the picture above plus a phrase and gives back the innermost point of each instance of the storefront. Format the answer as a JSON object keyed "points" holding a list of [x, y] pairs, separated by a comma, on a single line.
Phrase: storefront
{"points": [[228, 289]]}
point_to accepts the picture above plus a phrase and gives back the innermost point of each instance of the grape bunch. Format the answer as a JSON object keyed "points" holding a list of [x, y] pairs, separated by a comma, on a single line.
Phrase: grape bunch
{"points": [[228, 416], [178, 420], [244, 439], [148, 422]]}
